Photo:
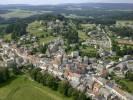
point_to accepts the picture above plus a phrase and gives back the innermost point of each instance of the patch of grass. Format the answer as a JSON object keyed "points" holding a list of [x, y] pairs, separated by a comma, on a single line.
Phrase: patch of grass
{"points": [[74, 16], [36, 28], [23, 88], [88, 26], [125, 84], [3, 25], [129, 84], [39, 30], [46, 39], [113, 58], [124, 22], [7, 37], [88, 51], [82, 35]]}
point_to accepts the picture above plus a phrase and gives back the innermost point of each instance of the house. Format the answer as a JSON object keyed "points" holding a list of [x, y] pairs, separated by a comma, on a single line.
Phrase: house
{"points": [[120, 69], [10, 62], [85, 60], [75, 54], [127, 57], [89, 82], [119, 93], [92, 60], [19, 60], [80, 59], [105, 93], [130, 65], [110, 64], [96, 87]]}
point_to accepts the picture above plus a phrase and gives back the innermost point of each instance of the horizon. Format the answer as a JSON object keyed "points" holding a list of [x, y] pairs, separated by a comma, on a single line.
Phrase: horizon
{"points": [[60, 2]]}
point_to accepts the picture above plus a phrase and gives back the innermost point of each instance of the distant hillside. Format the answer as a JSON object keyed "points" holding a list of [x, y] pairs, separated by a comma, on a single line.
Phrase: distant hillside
{"points": [[96, 12], [122, 6]]}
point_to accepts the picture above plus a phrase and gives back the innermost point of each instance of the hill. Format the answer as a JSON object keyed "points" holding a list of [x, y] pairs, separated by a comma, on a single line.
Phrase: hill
{"points": [[22, 88]]}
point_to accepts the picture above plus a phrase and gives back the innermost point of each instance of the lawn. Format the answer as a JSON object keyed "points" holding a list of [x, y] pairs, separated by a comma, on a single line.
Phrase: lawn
{"points": [[22, 88]]}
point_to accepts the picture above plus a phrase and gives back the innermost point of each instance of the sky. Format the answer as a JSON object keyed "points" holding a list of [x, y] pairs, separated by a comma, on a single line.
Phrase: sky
{"points": [[45, 2]]}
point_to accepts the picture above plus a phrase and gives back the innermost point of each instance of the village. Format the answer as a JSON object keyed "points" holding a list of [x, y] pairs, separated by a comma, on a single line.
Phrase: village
{"points": [[83, 73]]}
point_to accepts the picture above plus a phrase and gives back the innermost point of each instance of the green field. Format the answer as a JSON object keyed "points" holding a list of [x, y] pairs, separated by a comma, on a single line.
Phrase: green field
{"points": [[22, 88], [124, 22], [88, 26], [83, 36], [7, 37], [128, 83], [89, 51], [124, 83], [74, 16], [37, 29]]}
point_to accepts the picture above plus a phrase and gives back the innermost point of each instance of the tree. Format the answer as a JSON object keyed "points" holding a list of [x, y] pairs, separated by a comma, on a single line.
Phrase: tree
{"points": [[16, 29], [43, 48], [14, 36], [75, 95], [129, 75], [44, 79], [52, 82], [9, 28], [4, 74], [70, 91], [39, 77], [63, 87], [33, 73], [82, 96]]}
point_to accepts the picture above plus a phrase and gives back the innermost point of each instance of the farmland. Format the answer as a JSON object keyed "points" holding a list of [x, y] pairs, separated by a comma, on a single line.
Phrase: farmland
{"points": [[18, 13]]}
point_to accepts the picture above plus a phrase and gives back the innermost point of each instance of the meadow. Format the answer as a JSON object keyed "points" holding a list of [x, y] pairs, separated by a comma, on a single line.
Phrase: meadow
{"points": [[23, 88]]}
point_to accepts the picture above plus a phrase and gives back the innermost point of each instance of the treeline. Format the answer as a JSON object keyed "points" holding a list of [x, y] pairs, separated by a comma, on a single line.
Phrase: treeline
{"points": [[16, 29], [96, 21], [121, 52], [71, 35], [102, 14], [10, 71], [41, 48], [3, 11], [129, 75], [122, 31], [4, 74], [56, 84]]}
